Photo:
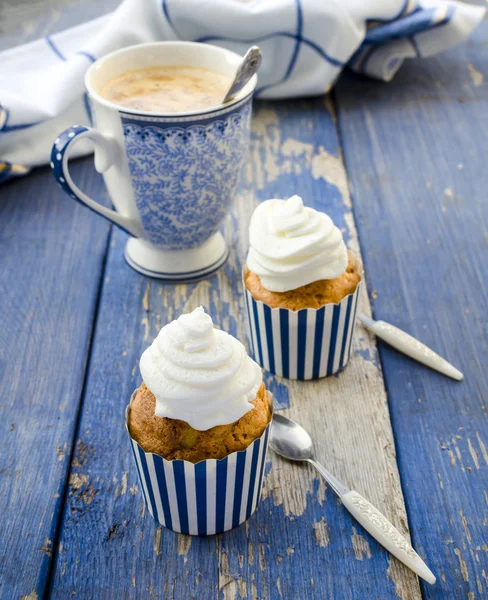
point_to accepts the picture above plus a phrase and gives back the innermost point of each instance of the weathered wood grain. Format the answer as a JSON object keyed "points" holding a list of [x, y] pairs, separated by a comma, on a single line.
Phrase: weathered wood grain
{"points": [[301, 543], [44, 241], [105, 528], [416, 154], [51, 255]]}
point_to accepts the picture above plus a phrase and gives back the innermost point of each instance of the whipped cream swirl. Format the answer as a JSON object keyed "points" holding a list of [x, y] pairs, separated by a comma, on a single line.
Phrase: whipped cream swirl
{"points": [[292, 245], [199, 374]]}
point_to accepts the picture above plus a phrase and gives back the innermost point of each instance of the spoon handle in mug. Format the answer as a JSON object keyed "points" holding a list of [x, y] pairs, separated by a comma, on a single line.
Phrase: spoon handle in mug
{"points": [[386, 534], [248, 67]]}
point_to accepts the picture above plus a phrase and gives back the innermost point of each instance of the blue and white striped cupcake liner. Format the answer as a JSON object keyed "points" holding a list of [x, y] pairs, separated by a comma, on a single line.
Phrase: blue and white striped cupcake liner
{"points": [[305, 344], [205, 498]]}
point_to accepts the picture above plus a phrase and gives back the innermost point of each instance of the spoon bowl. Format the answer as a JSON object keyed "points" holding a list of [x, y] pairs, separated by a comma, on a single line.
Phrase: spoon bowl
{"points": [[290, 440]]}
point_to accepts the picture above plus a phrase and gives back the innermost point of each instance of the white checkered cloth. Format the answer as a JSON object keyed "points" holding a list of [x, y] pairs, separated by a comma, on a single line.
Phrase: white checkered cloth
{"points": [[305, 45]]}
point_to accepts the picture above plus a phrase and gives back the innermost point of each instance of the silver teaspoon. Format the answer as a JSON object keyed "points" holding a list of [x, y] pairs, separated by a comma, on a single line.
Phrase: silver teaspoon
{"points": [[291, 441], [247, 68]]}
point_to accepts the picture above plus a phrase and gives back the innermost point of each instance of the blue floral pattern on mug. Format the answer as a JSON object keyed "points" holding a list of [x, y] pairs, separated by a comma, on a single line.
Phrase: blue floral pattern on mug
{"points": [[184, 174]]}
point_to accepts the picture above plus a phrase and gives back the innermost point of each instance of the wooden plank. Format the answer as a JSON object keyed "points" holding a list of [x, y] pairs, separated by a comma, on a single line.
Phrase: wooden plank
{"points": [[416, 155], [301, 543], [106, 530], [51, 253]]}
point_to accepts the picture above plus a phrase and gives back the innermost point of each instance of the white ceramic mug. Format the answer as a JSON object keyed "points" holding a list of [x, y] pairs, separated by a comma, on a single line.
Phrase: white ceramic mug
{"points": [[171, 177]]}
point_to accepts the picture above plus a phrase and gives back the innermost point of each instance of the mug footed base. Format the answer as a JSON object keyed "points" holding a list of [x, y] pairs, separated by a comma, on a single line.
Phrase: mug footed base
{"points": [[177, 266]]}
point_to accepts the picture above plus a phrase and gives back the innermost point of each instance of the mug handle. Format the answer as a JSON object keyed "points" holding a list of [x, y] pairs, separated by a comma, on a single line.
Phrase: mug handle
{"points": [[105, 156]]}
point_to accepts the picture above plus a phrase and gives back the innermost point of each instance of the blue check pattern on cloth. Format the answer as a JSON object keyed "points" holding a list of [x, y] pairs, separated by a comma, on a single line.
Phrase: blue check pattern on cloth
{"points": [[305, 45]]}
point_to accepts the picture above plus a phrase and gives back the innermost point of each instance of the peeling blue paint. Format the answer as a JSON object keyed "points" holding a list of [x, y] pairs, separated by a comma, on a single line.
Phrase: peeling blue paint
{"points": [[369, 355], [280, 391]]}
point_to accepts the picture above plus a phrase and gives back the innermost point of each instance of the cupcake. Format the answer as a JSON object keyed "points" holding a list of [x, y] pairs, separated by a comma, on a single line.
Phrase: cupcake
{"points": [[301, 289], [199, 426]]}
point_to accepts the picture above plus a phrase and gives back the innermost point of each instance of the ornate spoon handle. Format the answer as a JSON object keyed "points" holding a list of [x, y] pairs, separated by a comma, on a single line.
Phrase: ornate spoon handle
{"points": [[376, 524], [385, 533], [410, 346]]}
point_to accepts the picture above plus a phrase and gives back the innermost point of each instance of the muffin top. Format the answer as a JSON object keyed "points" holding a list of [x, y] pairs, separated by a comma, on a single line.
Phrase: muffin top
{"points": [[292, 245], [313, 295], [199, 374], [176, 440]]}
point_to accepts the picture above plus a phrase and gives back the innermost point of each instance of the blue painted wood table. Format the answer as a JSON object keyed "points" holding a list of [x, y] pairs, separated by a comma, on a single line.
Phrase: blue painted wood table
{"points": [[401, 167]]}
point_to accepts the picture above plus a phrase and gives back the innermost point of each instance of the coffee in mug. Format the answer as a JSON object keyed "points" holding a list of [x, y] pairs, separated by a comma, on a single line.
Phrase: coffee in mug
{"points": [[167, 89]]}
